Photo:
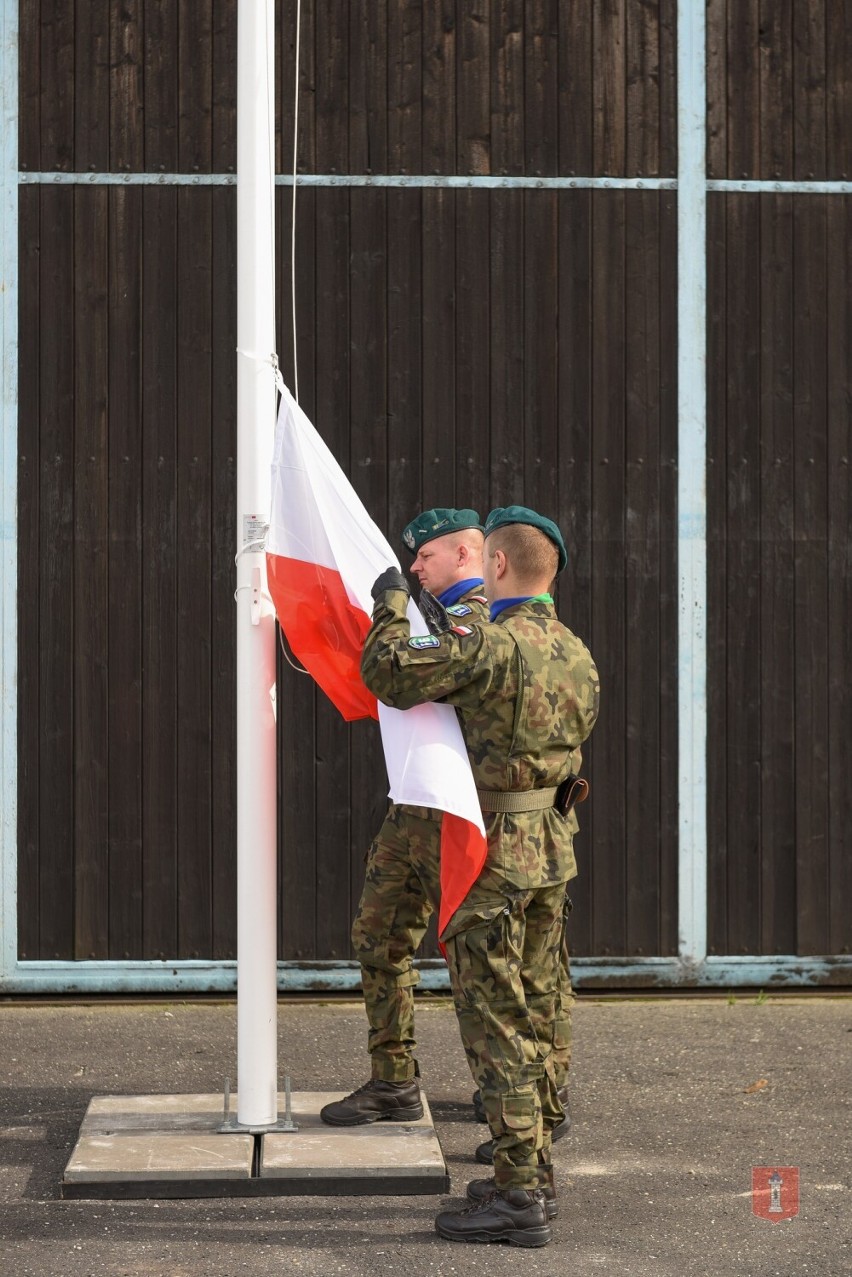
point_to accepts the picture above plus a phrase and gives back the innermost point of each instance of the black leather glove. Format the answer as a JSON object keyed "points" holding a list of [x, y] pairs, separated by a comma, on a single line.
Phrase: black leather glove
{"points": [[434, 613], [391, 579]]}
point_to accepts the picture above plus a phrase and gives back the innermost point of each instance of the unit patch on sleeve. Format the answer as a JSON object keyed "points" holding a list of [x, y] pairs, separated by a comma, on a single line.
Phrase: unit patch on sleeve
{"points": [[424, 640], [459, 609]]}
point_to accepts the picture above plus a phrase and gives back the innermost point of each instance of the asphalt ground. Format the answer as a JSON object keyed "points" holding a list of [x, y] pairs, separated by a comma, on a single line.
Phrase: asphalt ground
{"points": [[673, 1101]]}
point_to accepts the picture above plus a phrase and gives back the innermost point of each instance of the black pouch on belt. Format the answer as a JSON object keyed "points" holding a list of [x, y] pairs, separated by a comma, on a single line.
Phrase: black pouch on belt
{"points": [[572, 790]]}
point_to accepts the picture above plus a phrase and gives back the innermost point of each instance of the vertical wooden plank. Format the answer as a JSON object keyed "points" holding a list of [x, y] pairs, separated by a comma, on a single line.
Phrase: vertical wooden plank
{"points": [[124, 581], [776, 89], [717, 686], [642, 58], [405, 317], [29, 567], [195, 85], [126, 114], [439, 87], [326, 929], [193, 521], [644, 651], [223, 149], [809, 90], [473, 82], [777, 500], [29, 87], [839, 334], [541, 90], [439, 348], [91, 530], [609, 89], [91, 86], [669, 592], [56, 85], [576, 99], [223, 655], [838, 20], [668, 88], [368, 70], [405, 87], [368, 416], [608, 870], [56, 577], [811, 660], [574, 596], [160, 87], [743, 89], [332, 69], [508, 121], [575, 398], [160, 548], [506, 286], [742, 463], [717, 89], [473, 373], [540, 338]]}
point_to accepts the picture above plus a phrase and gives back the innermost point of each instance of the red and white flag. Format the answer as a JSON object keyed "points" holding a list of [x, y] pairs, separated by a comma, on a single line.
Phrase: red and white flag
{"points": [[323, 553]]}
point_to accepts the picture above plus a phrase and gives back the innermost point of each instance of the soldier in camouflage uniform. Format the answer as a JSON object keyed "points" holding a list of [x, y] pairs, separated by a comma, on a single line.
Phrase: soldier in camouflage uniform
{"points": [[402, 882], [526, 690]]}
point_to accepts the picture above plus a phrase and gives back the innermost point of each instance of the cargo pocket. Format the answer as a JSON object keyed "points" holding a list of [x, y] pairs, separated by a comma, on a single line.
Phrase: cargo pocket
{"points": [[518, 1113]]}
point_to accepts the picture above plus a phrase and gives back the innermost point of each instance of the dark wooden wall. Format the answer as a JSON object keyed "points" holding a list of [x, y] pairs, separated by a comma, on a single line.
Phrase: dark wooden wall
{"points": [[779, 492], [463, 346], [483, 359]]}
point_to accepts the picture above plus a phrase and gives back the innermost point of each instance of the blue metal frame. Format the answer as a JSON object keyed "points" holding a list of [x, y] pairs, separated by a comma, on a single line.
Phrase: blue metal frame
{"points": [[692, 968], [692, 493]]}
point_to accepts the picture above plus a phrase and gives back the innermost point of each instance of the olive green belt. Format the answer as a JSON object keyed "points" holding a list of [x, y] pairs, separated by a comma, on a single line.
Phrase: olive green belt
{"points": [[514, 800]]}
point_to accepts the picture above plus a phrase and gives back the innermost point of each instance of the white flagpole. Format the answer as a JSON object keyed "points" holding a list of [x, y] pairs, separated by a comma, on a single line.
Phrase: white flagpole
{"points": [[257, 1045]]}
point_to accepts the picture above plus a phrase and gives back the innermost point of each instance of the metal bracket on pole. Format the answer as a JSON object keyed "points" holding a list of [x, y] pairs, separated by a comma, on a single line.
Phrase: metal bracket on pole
{"points": [[256, 596], [230, 1125]]}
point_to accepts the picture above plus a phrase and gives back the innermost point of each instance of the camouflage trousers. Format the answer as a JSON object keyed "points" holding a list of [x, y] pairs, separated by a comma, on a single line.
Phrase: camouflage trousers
{"points": [[401, 891], [504, 950]]}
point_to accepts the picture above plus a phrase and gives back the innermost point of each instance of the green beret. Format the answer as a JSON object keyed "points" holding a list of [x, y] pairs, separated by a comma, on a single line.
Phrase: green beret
{"points": [[437, 523], [502, 517]]}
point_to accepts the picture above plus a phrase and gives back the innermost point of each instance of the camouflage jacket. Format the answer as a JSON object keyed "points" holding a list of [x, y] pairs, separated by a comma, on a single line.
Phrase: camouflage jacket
{"points": [[526, 692]]}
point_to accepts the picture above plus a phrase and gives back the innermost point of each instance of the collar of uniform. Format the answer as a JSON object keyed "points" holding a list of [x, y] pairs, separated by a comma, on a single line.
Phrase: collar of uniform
{"points": [[502, 604], [454, 592]]}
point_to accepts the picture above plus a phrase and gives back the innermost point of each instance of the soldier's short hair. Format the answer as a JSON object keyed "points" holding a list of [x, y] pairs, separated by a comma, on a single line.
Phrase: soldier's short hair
{"points": [[532, 555]]}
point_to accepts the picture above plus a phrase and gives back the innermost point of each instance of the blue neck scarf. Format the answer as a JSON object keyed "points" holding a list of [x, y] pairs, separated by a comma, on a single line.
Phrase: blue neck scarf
{"points": [[453, 594]]}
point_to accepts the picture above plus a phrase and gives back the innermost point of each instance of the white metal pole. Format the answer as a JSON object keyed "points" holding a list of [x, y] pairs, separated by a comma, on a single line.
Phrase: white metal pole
{"points": [[257, 1047], [692, 464]]}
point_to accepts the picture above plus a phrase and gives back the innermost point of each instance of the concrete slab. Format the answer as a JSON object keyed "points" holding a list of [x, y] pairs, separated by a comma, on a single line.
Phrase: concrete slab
{"points": [[149, 1156], [167, 1146], [397, 1152]]}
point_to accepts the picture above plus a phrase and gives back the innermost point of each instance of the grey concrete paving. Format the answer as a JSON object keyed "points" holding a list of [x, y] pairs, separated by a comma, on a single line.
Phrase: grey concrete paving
{"points": [[674, 1102]]}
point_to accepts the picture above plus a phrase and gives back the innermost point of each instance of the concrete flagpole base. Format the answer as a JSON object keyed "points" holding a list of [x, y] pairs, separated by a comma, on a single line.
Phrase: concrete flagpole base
{"points": [[167, 1146]]}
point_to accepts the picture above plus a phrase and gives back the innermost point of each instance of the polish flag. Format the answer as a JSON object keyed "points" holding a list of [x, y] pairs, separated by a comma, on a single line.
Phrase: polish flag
{"points": [[323, 553]]}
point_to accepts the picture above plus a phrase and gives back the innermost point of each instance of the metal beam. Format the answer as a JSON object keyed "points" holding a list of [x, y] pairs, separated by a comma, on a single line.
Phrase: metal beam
{"points": [[489, 182], [199, 977], [692, 518]]}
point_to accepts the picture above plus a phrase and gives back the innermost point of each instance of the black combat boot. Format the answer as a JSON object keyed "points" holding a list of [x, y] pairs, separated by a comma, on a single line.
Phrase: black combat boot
{"points": [[479, 1189], [485, 1152], [513, 1215], [376, 1101]]}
